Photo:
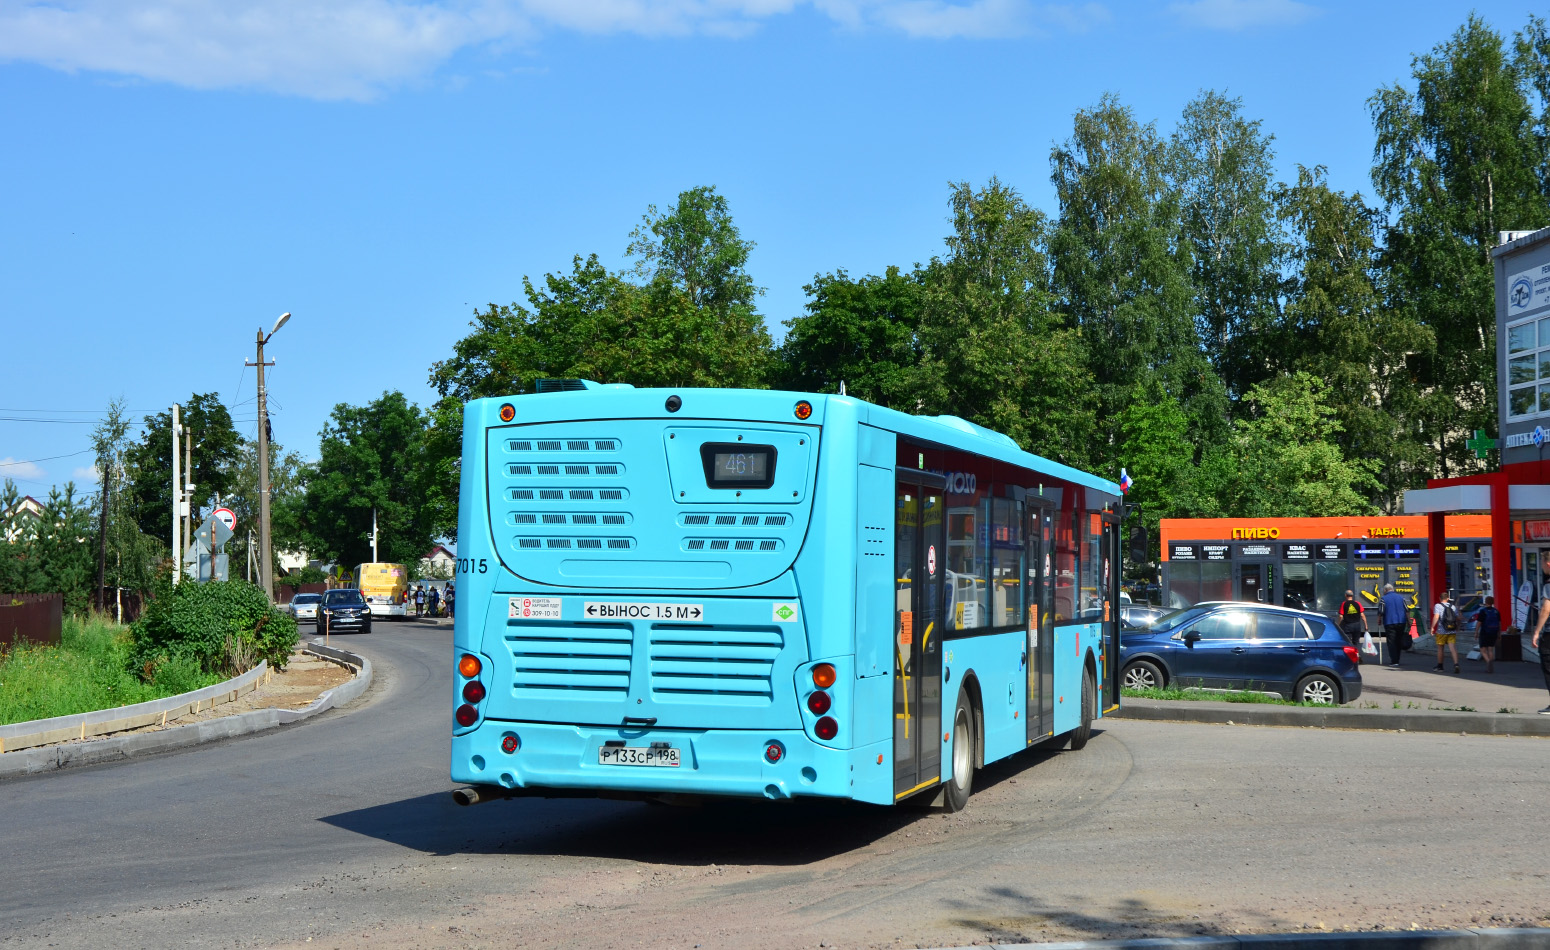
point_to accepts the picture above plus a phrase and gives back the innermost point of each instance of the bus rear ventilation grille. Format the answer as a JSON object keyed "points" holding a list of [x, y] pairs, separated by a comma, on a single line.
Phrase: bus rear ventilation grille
{"points": [[574, 544], [734, 520], [567, 494], [743, 545], [731, 662], [595, 659], [601, 518], [605, 469], [563, 445]]}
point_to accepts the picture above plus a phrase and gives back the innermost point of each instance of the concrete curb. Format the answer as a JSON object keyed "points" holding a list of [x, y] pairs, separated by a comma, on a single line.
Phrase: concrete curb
{"points": [[1336, 717], [21, 735], [93, 752], [1495, 939]]}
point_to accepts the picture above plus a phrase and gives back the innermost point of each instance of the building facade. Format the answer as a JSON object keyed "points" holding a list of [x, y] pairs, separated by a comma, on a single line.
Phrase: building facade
{"points": [[1515, 497], [1309, 563]]}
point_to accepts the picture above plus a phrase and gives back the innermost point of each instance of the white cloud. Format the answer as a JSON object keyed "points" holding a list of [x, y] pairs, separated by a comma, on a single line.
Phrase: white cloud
{"points": [[1242, 14], [31, 471], [356, 49], [86, 476]]}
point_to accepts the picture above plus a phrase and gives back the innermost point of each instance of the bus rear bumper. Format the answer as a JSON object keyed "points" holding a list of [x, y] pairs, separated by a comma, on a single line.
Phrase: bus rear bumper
{"points": [[711, 762]]}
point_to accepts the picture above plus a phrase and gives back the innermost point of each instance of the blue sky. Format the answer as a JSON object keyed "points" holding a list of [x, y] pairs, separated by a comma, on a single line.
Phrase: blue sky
{"points": [[176, 173]]}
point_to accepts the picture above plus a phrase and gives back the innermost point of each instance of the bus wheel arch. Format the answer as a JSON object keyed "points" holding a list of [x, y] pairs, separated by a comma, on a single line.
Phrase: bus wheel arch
{"points": [[970, 687]]}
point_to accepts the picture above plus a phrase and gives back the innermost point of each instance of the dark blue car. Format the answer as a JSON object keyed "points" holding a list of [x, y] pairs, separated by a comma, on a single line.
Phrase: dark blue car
{"points": [[1299, 654]]}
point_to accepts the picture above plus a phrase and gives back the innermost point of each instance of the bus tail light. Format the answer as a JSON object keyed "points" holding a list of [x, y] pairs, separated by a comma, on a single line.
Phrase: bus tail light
{"points": [[473, 691], [827, 728], [469, 665], [467, 715], [773, 752], [824, 675], [1353, 653], [818, 702]]}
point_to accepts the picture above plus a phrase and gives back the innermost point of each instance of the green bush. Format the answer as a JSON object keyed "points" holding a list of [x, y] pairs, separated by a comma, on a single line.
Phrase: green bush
{"points": [[305, 575], [220, 627]]}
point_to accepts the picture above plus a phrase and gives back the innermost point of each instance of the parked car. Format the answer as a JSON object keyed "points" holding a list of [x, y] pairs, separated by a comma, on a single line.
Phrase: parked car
{"points": [[1139, 615], [305, 606], [344, 611], [1227, 645]]}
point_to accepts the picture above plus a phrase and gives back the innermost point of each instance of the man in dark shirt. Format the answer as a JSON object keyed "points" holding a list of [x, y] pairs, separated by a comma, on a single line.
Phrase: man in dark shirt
{"points": [[1394, 622]]}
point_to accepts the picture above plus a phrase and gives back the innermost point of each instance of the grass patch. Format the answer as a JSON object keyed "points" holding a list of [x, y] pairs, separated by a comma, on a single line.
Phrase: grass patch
{"points": [[1210, 695], [88, 670]]}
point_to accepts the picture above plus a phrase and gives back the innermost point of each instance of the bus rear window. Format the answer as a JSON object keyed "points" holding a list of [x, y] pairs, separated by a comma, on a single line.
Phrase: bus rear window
{"points": [[738, 465]]}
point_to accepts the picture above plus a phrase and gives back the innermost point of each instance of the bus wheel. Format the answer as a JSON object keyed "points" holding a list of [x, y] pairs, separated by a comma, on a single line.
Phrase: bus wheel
{"points": [[1085, 730], [955, 796]]}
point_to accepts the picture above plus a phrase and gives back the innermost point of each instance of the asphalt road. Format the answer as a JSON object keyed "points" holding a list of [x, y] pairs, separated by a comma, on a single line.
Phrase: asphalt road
{"points": [[339, 832]]}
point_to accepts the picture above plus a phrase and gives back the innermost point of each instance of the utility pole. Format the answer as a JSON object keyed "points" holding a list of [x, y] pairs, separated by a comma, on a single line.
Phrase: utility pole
{"points": [[266, 557], [373, 534], [188, 487], [177, 501]]}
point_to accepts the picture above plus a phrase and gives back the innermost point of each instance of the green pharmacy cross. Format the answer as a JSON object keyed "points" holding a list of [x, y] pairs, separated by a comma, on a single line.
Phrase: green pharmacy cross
{"points": [[1480, 444]]}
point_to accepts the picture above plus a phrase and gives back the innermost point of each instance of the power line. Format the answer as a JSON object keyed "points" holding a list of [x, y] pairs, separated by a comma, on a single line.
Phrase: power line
{"points": [[63, 422], [49, 459]]}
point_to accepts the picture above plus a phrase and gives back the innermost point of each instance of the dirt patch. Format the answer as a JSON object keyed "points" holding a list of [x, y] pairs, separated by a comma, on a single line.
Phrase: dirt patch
{"points": [[303, 680]]}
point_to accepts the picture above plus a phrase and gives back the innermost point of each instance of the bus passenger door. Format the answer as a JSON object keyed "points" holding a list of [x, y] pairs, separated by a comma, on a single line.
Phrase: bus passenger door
{"points": [[1041, 625], [920, 564]]}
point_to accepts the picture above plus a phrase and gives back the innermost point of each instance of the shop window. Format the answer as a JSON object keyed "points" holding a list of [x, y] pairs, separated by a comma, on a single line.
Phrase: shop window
{"points": [[1297, 588], [1194, 582], [1528, 368], [1330, 582]]}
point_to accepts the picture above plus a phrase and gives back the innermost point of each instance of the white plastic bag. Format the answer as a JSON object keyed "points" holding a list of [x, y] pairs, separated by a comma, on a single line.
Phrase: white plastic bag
{"points": [[1368, 647]]}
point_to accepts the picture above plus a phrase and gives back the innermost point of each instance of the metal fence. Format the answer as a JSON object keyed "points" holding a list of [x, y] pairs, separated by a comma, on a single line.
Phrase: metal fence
{"points": [[35, 618]]}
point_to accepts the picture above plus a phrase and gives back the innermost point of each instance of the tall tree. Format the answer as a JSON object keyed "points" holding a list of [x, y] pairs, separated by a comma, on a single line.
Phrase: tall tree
{"points": [[1336, 327], [217, 446], [859, 331], [1221, 163], [369, 457], [695, 248], [993, 349], [1456, 161], [1122, 275]]}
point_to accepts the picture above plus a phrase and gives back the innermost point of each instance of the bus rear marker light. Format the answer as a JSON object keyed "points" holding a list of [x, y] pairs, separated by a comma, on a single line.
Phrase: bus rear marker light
{"points": [[509, 744], [508, 412], [824, 675], [804, 409], [773, 752], [469, 665]]}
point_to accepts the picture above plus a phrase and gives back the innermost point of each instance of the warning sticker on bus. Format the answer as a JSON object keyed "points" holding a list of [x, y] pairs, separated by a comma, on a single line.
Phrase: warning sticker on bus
{"points": [[632, 610], [534, 608]]}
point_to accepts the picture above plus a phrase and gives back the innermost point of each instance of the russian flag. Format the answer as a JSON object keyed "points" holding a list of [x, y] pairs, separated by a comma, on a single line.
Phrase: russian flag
{"points": [[1125, 481]]}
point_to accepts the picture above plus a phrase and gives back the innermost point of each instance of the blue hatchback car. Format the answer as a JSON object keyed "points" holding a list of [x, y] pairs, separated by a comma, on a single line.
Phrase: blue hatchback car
{"points": [[1297, 653]]}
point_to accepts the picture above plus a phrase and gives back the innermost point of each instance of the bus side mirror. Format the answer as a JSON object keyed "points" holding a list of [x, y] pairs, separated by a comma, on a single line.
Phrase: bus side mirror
{"points": [[1139, 552]]}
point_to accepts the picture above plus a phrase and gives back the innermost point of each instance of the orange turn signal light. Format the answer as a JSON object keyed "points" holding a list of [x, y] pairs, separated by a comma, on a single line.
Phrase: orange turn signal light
{"points": [[508, 412], [824, 675], [469, 665]]}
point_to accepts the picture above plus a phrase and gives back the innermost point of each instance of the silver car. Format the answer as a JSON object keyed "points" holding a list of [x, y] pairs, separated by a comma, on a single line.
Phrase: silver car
{"points": [[305, 606]]}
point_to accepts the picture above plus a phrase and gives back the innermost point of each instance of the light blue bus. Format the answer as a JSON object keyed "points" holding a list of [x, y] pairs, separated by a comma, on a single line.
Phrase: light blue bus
{"points": [[677, 593]]}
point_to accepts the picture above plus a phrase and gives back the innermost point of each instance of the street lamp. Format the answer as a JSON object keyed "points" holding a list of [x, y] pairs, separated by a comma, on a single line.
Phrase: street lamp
{"points": [[266, 562]]}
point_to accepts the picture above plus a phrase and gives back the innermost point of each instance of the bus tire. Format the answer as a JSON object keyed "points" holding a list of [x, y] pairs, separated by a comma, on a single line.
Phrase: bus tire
{"points": [[955, 797], [1085, 730]]}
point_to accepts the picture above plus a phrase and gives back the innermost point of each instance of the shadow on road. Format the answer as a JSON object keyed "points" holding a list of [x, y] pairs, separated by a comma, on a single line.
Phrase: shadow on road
{"points": [[1009, 915], [720, 831]]}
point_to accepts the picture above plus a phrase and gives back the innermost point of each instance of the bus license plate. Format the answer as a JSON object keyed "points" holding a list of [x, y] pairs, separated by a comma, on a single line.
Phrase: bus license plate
{"points": [[637, 755]]}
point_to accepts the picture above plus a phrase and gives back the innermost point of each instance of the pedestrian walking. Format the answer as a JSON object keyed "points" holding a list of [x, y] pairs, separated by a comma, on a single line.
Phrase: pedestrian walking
{"points": [[1445, 630], [1352, 622], [1395, 621], [1544, 654], [419, 600], [1488, 627]]}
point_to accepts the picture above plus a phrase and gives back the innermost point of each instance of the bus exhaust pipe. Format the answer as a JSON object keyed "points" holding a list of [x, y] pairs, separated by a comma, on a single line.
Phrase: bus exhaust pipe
{"points": [[479, 794]]}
